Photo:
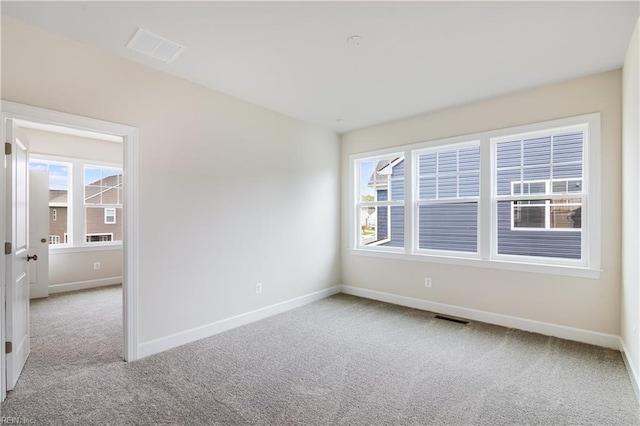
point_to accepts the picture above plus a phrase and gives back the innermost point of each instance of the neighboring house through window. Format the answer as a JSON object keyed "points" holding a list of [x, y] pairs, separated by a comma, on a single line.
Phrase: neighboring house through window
{"points": [[98, 206], [59, 184], [539, 192], [381, 201], [526, 195], [448, 195]]}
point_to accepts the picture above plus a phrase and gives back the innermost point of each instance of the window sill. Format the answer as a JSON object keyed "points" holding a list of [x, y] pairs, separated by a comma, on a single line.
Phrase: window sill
{"points": [[80, 249], [561, 270]]}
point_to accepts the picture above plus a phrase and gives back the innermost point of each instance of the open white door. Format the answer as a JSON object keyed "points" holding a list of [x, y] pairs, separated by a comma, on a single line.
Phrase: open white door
{"points": [[17, 251], [39, 233]]}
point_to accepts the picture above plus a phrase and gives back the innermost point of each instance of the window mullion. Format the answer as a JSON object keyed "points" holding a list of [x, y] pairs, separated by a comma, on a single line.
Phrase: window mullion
{"points": [[77, 204], [485, 208], [410, 195]]}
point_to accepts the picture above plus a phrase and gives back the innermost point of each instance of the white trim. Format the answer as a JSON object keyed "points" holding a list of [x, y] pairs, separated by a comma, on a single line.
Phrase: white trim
{"points": [[182, 338], [83, 285], [3, 211], [560, 331], [130, 211], [57, 118], [65, 249], [633, 375], [358, 205], [68, 131], [456, 258], [130, 246], [589, 264]]}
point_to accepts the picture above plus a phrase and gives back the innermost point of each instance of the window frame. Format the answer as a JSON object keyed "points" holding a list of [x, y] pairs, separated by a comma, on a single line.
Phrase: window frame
{"points": [[588, 267], [547, 206], [359, 205], [90, 164], [539, 129], [418, 202], [69, 205], [75, 237]]}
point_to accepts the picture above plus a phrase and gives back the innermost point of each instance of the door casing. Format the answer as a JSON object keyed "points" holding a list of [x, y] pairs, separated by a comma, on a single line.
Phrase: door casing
{"points": [[12, 110]]}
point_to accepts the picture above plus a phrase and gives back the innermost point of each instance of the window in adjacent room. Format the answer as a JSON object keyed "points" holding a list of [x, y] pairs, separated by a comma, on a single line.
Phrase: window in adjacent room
{"points": [[103, 188]]}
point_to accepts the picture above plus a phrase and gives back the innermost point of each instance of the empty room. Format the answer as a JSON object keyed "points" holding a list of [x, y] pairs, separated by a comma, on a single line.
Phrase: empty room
{"points": [[405, 213]]}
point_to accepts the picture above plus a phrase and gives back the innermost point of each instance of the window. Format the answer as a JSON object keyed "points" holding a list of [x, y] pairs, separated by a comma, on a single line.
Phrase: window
{"points": [[59, 201], [538, 214], [109, 215], [525, 198], [99, 238], [103, 203], [82, 196], [539, 192], [381, 201], [448, 195]]}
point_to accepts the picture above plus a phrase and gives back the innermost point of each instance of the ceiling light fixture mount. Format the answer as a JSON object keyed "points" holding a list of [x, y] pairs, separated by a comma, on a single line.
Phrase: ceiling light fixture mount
{"points": [[354, 40]]}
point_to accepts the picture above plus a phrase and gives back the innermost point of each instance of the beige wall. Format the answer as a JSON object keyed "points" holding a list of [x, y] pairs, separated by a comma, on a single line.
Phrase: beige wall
{"points": [[230, 194], [71, 270], [44, 142], [590, 304], [630, 315]]}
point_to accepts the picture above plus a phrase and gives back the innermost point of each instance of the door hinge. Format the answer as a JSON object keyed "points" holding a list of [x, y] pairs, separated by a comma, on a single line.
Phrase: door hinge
{"points": [[7, 148], [8, 347], [7, 248]]}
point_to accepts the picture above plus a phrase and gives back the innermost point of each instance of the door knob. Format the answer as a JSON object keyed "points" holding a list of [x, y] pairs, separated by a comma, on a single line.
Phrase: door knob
{"points": [[43, 240], [34, 257]]}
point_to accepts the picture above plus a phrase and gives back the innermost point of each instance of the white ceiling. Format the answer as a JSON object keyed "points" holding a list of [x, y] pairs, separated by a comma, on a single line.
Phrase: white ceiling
{"points": [[415, 57]]}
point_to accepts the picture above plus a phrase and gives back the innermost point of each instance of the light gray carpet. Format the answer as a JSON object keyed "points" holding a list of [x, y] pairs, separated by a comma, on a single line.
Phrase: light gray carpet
{"points": [[342, 360]]}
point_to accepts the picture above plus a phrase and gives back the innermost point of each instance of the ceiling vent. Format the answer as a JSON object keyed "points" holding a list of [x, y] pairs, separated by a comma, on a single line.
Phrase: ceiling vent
{"points": [[152, 45]]}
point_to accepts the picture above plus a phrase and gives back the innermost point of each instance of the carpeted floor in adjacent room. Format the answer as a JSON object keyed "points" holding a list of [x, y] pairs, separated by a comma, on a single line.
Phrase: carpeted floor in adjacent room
{"points": [[342, 360]]}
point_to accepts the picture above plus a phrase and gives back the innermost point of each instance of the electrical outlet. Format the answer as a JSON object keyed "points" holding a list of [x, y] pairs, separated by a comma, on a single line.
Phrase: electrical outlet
{"points": [[259, 288], [96, 265], [427, 282]]}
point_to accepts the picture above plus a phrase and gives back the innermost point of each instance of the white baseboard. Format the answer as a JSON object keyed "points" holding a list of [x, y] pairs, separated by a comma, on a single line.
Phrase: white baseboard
{"points": [[633, 374], [83, 285], [178, 339], [561, 331]]}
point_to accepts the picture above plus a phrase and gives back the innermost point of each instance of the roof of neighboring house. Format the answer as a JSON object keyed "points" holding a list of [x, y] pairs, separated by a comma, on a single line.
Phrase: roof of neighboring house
{"points": [[378, 178], [101, 186], [58, 195]]}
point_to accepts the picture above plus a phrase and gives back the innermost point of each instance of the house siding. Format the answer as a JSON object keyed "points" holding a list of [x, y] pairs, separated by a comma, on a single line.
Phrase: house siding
{"points": [[561, 244], [396, 220], [451, 227], [59, 225], [454, 227], [95, 223]]}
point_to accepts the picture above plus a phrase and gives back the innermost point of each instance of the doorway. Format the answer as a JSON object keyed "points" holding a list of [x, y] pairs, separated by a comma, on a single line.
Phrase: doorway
{"points": [[51, 120]]}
